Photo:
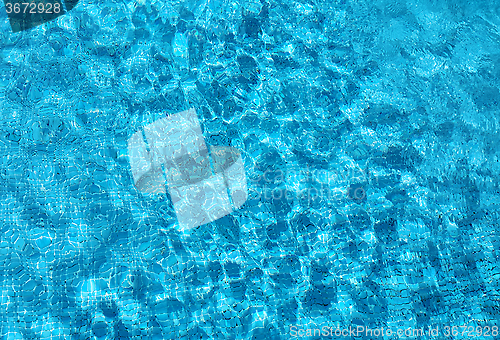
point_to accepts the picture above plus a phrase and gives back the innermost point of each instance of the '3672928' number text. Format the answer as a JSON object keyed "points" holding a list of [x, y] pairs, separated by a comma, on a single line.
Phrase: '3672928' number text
{"points": [[33, 8]]}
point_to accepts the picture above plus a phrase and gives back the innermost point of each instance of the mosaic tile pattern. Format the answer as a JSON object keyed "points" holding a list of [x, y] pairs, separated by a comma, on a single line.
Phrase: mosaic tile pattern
{"points": [[369, 132]]}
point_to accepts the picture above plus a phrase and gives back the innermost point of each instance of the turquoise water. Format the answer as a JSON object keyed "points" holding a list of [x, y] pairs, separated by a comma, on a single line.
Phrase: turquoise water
{"points": [[369, 132]]}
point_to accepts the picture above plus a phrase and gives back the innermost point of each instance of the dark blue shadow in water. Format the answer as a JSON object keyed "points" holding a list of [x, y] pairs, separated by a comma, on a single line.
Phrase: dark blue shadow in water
{"points": [[24, 15]]}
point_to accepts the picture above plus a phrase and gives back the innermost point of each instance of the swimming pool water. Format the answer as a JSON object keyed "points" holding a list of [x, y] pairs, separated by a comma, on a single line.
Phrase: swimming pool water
{"points": [[369, 133]]}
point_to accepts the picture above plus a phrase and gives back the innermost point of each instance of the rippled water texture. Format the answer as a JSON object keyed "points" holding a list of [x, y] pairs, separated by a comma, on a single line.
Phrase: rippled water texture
{"points": [[369, 133]]}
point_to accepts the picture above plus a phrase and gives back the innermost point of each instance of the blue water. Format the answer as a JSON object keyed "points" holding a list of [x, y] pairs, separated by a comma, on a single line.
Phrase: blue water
{"points": [[369, 132]]}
